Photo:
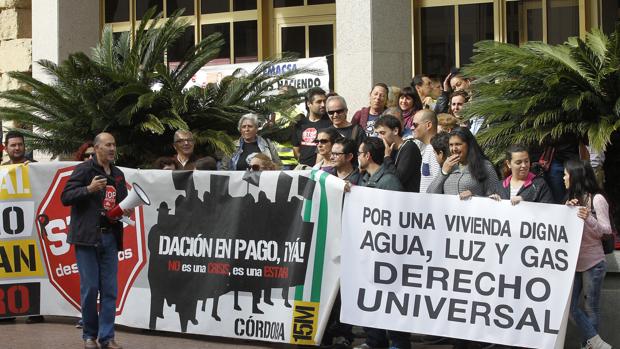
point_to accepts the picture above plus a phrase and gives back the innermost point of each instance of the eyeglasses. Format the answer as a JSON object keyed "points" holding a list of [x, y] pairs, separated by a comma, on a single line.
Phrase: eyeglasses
{"points": [[337, 111], [322, 141], [88, 155], [184, 140], [254, 167], [336, 154]]}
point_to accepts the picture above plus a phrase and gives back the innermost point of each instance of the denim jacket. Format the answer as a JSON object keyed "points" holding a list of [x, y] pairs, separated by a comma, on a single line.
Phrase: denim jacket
{"points": [[266, 147]]}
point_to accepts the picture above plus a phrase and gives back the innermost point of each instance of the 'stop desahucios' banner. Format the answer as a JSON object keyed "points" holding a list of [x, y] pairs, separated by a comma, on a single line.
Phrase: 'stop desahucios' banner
{"points": [[233, 254], [476, 269]]}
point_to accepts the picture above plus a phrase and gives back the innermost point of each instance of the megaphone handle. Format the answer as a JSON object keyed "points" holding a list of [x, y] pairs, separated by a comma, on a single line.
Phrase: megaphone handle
{"points": [[127, 220]]}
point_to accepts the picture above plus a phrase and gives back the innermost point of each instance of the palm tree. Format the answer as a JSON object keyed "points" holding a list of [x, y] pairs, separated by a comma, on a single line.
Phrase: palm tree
{"points": [[113, 91], [539, 94]]}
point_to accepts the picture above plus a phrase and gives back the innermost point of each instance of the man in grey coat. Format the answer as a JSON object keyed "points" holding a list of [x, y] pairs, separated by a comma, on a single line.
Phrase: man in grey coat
{"points": [[370, 158]]}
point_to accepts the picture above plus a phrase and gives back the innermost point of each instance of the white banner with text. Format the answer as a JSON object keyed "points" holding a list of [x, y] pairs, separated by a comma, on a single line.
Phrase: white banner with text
{"points": [[251, 255], [475, 269]]}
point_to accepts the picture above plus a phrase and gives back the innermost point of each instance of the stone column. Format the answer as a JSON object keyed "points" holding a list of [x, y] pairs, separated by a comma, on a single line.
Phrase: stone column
{"points": [[15, 42], [373, 44], [62, 27]]}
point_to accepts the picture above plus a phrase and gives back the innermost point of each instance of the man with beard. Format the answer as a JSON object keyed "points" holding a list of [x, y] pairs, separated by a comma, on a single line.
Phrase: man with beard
{"points": [[307, 129]]}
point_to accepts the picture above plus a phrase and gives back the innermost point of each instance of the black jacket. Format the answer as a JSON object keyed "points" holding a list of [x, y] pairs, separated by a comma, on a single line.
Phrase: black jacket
{"points": [[87, 220], [405, 163], [535, 189]]}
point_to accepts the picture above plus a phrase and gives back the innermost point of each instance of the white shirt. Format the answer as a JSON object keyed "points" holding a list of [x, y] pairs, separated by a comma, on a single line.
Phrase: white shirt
{"points": [[430, 167]]}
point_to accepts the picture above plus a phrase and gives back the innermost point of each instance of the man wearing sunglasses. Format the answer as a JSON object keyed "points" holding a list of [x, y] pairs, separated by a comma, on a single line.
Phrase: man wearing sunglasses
{"points": [[337, 112], [424, 127]]}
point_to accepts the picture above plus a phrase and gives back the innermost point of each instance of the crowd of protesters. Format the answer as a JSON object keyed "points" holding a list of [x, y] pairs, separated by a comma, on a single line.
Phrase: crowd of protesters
{"points": [[415, 139]]}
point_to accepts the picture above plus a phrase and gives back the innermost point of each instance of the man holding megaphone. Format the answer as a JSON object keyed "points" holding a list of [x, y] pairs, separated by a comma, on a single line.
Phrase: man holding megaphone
{"points": [[95, 188]]}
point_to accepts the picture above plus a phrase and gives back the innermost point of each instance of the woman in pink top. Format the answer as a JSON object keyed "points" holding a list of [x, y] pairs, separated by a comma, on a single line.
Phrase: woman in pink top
{"points": [[591, 266]]}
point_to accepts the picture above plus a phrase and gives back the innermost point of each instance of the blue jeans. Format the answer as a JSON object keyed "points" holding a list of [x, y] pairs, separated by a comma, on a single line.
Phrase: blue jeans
{"points": [[555, 179], [588, 284], [98, 266]]}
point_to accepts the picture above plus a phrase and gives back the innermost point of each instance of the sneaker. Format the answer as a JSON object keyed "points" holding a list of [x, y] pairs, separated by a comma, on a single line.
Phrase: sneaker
{"points": [[597, 342], [111, 344], [90, 343], [363, 346], [79, 324]]}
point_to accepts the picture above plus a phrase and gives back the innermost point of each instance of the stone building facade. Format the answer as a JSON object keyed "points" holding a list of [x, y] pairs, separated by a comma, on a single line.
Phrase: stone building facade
{"points": [[15, 42]]}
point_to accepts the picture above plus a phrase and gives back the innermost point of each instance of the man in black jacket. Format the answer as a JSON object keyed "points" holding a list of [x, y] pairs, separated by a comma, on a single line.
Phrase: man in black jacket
{"points": [[95, 186], [402, 157]]}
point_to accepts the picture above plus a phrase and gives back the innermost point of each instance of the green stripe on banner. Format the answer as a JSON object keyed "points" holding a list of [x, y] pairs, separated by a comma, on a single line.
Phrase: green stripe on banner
{"points": [[319, 251], [299, 290]]}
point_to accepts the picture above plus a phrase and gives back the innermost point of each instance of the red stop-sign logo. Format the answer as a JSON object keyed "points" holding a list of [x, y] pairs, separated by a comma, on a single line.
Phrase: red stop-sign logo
{"points": [[53, 221]]}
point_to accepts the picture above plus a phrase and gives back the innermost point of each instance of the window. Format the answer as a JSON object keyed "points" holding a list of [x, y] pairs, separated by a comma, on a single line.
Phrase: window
{"points": [[321, 43], [244, 5], [214, 6], [116, 11], [287, 3], [321, 2], [512, 22], [610, 15], [246, 41], [173, 5], [475, 24], [294, 40], [251, 29], [180, 47], [143, 5], [446, 31], [224, 28], [562, 20], [437, 44]]}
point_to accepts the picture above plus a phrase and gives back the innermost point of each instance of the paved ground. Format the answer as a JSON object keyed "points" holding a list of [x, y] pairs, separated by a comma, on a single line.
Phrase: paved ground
{"points": [[60, 333]]}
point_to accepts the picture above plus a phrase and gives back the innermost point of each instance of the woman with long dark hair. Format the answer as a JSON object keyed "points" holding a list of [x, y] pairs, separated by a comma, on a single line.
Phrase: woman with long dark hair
{"points": [[584, 192], [466, 171], [409, 103]]}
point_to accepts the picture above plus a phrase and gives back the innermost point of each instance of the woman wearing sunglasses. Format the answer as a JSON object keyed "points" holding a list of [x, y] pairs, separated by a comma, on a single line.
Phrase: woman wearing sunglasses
{"points": [[85, 151], [325, 139]]}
